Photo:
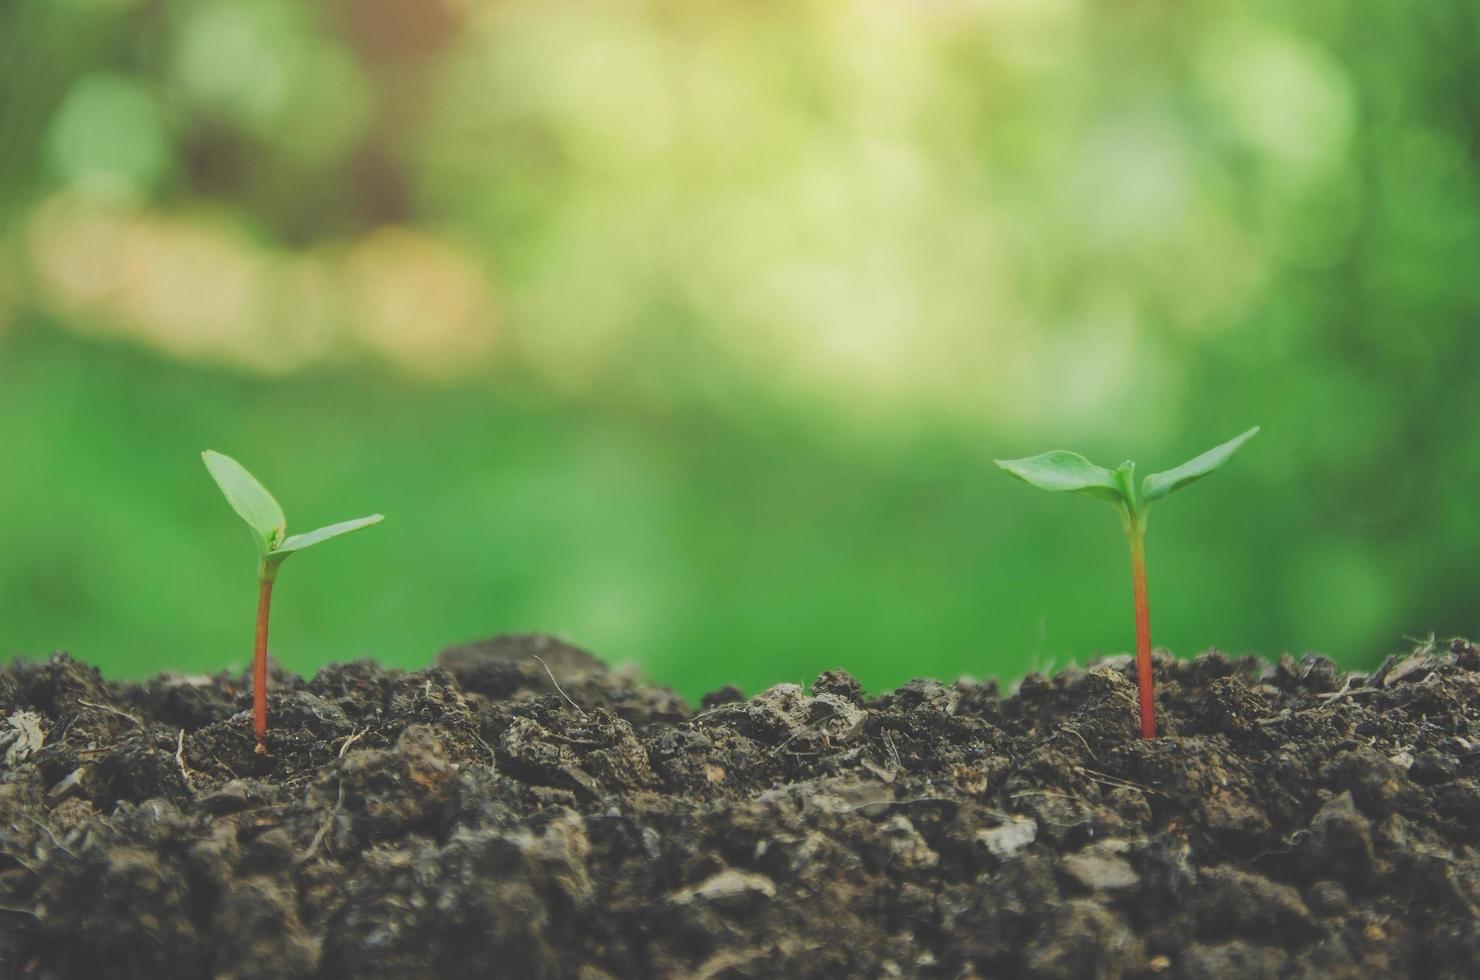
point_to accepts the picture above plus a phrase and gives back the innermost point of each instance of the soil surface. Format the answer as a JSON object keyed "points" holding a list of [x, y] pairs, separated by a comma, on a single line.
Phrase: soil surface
{"points": [[470, 821]]}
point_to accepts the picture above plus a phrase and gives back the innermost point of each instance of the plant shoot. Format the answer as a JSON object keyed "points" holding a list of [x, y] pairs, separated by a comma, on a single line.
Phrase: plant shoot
{"points": [[254, 505], [1061, 470]]}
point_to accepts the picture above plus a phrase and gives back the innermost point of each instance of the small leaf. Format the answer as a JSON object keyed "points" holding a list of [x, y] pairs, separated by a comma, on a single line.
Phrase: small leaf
{"points": [[298, 542], [1158, 485], [1063, 470], [248, 498]]}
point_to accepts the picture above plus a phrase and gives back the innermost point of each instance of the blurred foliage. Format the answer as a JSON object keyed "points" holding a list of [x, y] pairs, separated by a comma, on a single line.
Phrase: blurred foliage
{"points": [[689, 330]]}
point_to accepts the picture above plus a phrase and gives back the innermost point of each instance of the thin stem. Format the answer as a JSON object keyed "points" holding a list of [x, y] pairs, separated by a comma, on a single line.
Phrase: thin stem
{"points": [[259, 664], [1137, 534]]}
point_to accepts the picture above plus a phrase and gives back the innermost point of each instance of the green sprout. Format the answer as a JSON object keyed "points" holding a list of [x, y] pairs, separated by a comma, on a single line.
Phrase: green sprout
{"points": [[1065, 471], [264, 517]]}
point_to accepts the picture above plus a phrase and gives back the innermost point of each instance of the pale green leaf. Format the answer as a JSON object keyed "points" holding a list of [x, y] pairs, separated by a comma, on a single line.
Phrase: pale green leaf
{"points": [[1158, 485], [1065, 471], [298, 542], [248, 498]]}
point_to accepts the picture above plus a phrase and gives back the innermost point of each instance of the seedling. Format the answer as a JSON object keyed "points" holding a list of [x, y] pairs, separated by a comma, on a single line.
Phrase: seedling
{"points": [[1063, 470], [256, 506]]}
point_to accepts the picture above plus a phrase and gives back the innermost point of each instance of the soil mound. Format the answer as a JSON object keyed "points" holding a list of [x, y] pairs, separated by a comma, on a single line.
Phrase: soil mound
{"points": [[470, 821]]}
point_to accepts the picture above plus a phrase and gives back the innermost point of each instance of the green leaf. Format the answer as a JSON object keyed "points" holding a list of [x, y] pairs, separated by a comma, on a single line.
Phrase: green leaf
{"points": [[1158, 485], [1065, 471], [248, 498], [299, 542]]}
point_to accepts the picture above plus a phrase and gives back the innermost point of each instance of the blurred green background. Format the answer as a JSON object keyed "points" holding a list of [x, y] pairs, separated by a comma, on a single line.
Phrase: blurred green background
{"points": [[689, 331]]}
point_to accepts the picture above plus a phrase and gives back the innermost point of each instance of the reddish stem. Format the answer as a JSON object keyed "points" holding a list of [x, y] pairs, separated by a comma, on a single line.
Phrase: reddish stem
{"points": [[259, 666], [1143, 634]]}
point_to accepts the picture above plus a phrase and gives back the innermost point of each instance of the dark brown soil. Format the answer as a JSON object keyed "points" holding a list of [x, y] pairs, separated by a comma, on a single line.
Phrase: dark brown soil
{"points": [[468, 821]]}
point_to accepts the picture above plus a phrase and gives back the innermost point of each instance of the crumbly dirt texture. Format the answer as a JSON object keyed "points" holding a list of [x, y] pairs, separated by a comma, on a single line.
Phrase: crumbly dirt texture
{"points": [[470, 821]]}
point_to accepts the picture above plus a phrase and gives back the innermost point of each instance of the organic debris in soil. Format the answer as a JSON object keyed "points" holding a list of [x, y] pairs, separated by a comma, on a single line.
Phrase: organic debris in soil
{"points": [[469, 821]]}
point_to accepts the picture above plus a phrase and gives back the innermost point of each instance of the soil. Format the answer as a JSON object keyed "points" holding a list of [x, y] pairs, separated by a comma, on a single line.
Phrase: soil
{"points": [[470, 821]]}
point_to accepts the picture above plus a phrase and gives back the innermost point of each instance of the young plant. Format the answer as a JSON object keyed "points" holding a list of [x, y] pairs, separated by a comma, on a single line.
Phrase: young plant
{"points": [[1066, 471], [256, 506]]}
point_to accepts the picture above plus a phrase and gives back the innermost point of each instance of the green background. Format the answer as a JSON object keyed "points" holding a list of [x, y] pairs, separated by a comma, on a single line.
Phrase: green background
{"points": [[689, 332]]}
